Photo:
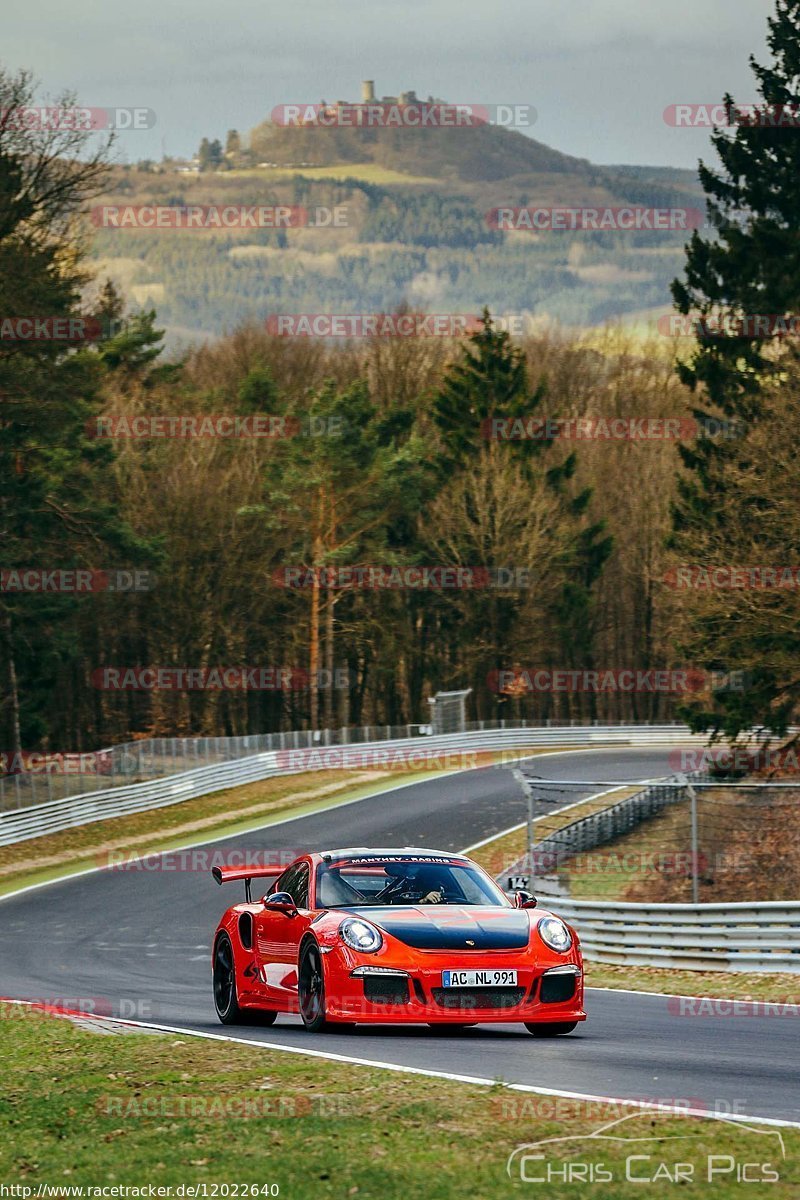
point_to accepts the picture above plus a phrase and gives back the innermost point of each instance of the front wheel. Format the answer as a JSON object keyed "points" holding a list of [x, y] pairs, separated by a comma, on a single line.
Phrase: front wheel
{"points": [[551, 1028], [311, 989]]}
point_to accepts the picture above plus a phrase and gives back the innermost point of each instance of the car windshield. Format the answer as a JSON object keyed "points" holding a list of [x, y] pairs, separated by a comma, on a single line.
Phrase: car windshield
{"points": [[354, 883]]}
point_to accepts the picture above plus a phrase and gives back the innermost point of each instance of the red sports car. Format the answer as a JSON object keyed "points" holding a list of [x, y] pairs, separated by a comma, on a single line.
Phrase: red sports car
{"points": [[393, 936]]}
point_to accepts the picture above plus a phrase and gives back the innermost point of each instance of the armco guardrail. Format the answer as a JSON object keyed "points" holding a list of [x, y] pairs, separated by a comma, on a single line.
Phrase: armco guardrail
{"points": [[598, 828], [756, 936], [35, 778], [66, 813]]}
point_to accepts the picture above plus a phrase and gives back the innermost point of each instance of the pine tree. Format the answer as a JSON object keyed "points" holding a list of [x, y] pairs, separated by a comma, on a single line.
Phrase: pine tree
{"points": [[58, 507], [491, 381], [751, 267]]}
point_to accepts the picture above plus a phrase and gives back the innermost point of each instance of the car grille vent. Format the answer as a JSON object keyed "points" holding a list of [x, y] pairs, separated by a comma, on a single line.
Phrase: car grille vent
{"points": [[481, 997], [386, 989]]}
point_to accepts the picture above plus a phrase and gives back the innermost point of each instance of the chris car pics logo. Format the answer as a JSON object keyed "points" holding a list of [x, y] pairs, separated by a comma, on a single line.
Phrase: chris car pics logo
{"points": [[609, 1154]]}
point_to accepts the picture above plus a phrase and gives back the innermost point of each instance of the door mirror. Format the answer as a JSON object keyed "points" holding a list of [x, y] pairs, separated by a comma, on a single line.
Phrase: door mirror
{"points": [[280, 902], [525, 900]]}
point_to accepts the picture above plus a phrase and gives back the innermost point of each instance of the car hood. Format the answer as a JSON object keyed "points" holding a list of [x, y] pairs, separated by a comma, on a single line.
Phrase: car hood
{"points": [[451, 927]]}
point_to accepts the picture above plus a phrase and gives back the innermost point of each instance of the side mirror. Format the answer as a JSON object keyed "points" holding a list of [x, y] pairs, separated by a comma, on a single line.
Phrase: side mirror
{"points": [[280, 902], [525, 900]]}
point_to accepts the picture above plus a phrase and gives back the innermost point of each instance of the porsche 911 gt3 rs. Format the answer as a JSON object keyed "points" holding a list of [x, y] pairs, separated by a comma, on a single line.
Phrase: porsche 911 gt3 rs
{"points": [[393, 936]]}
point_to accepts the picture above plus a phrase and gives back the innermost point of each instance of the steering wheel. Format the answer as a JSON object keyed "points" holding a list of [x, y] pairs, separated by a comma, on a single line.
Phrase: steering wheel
{"points": [[417, 897]]}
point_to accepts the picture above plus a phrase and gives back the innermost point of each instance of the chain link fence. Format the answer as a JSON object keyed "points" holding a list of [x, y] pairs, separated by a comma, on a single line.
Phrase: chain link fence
{"points": [[696, 838], [56, 776]]}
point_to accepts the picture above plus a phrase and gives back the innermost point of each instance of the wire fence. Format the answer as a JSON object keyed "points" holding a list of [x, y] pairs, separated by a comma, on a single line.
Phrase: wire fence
{"points": [[732, 842], [36, 778]]}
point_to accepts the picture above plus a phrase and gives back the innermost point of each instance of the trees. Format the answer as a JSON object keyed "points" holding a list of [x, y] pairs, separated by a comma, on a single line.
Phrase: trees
{"points": [[210, 154], [58, 507], [747, 625], [490, 380], [337, 488], [752, 264], [751, 268]]}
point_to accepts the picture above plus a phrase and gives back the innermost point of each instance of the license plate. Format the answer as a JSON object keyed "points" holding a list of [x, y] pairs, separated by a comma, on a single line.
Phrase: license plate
{"points": [[471, 979]]}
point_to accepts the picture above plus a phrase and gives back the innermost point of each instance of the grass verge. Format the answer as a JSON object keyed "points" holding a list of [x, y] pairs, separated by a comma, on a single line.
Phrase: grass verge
{"points": [[220, 814], [779, 986], [215, 815], [79, 1109], [499, 853], [366, 172]]}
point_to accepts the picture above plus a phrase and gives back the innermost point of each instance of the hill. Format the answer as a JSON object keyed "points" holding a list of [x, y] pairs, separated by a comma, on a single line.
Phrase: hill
{"points": [[415, 231], [482, 153]]}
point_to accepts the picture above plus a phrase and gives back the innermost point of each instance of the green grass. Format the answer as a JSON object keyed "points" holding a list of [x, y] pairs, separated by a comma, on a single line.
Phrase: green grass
{"points": [[81, 1109], [365, 172], [730, 985]]}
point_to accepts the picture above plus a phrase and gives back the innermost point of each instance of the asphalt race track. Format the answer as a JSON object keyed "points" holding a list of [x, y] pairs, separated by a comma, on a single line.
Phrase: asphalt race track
{"points": [[141, 939]]}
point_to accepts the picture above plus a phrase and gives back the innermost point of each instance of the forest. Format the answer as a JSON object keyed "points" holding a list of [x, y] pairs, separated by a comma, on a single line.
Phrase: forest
{"points": [[259, 532]]}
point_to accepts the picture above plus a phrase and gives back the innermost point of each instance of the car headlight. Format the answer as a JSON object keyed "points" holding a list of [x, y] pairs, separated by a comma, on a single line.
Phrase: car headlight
{"points": [[555, 934], [360, 935]]}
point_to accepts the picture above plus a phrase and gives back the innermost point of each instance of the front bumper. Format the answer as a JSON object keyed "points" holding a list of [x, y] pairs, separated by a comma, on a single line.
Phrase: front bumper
{"points": [[544, 993]]}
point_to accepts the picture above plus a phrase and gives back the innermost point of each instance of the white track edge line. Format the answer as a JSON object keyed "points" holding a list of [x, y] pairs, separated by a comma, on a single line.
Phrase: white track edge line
{"points": [[478, 1080]]}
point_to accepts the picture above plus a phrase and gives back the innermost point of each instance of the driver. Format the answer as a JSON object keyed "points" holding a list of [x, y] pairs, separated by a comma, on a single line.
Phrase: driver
{"points": [[422, 883]]}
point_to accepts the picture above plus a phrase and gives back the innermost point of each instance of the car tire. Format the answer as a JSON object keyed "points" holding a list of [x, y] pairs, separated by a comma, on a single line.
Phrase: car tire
{"points": [[224, 977], [550, 1028], [311, 989], [226, 1001]]}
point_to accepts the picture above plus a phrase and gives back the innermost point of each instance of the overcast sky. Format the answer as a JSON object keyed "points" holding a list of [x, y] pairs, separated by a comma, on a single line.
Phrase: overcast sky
{"points": [[599, 72]]}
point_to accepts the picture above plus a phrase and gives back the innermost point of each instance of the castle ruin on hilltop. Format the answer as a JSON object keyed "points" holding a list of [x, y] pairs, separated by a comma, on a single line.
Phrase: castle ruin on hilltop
{"points": [[368, 96]]}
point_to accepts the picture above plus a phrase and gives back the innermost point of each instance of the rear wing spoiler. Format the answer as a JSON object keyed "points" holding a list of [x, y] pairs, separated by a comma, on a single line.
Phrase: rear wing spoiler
{"points": [[230, 874]]}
